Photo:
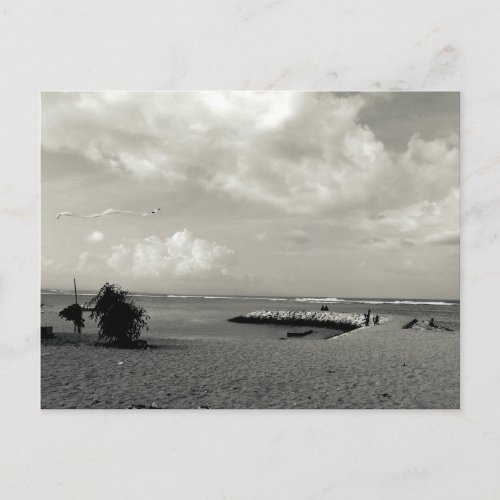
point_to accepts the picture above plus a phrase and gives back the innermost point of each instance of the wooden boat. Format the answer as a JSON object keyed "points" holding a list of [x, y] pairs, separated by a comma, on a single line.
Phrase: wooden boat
{"points": [[298, 334]]}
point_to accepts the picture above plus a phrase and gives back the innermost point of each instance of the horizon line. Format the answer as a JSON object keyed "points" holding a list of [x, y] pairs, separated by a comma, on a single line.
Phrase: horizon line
{"points": [[263, 295]]}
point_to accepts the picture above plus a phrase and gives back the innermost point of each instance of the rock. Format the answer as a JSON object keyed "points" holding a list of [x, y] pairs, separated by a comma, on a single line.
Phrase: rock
{"points": [[339, 321]]}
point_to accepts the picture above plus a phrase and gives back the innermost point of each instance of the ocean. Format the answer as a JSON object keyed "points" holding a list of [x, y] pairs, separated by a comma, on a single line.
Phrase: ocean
{"points": [[194, 316]]}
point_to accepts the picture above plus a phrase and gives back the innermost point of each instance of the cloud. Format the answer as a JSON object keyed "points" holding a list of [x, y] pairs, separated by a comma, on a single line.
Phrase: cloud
{"points": [[414, 223], [252, 166], [89, 264], [180, 255], [443, 238], [95, 237], [373, 241], [53, 266], [407, 242], [298, 236], [297, 153], [407, 266], [382, 242]]}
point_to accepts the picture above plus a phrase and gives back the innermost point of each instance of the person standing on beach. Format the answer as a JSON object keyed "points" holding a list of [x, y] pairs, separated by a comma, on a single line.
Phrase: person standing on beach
{"points": [[367, 318]]}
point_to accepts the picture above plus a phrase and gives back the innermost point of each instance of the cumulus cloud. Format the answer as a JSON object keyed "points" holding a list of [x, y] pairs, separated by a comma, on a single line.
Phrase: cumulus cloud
{"points": [[180, 255], [89, 263], [53, 266], [95, 237], [300, 153]]}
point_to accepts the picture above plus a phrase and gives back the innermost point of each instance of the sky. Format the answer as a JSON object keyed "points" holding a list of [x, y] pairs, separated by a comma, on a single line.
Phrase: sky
{"points": [[261, 193]]}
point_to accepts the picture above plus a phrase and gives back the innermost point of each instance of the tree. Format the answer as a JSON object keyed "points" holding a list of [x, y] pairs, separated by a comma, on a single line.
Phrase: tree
{"points": [[119, 320], [73, 313]]}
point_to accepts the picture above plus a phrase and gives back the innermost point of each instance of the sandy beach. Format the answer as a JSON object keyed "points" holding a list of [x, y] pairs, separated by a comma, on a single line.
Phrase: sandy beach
{"points": [[377, 367]]}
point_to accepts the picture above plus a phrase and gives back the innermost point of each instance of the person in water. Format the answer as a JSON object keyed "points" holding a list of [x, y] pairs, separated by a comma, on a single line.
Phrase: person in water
{"points": [[376, 320], [432, 324]]}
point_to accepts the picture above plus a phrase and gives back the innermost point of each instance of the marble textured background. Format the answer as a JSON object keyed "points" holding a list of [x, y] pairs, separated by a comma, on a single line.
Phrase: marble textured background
{"points": [[259, 44]]}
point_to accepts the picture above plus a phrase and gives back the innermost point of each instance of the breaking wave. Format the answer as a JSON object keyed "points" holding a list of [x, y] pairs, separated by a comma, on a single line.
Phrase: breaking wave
{"points": [[233, 297], [332, 300], [311, 300], [314, 299]]}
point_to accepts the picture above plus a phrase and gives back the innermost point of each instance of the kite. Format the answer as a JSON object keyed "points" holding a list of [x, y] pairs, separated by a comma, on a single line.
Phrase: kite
{"points": [[109, 211]]}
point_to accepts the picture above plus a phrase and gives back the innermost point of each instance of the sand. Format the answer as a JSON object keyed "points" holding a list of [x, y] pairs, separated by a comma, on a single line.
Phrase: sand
{"points": [[375, 367]]}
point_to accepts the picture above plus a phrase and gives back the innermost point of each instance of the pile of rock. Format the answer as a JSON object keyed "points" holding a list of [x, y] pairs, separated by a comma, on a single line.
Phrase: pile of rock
{"points": [[338, 321]]}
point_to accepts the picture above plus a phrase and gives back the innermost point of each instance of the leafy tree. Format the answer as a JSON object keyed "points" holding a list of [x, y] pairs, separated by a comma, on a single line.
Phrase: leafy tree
{"points": [[119, 320], [73, 313]]}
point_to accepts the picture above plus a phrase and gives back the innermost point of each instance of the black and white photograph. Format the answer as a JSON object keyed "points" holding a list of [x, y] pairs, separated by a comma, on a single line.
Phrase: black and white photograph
{"points": [[250, 250]]}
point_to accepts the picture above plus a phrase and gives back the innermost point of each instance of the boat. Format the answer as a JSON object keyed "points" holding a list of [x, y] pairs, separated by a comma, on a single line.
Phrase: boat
{"points": [[298, 334]]}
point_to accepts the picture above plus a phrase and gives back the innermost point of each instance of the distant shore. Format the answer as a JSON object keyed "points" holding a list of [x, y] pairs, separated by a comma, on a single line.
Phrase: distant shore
{"points": [[381, 366]]}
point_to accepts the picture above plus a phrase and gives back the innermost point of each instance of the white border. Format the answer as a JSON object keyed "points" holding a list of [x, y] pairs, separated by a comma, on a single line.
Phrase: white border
{"points": [[264, 44]]}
